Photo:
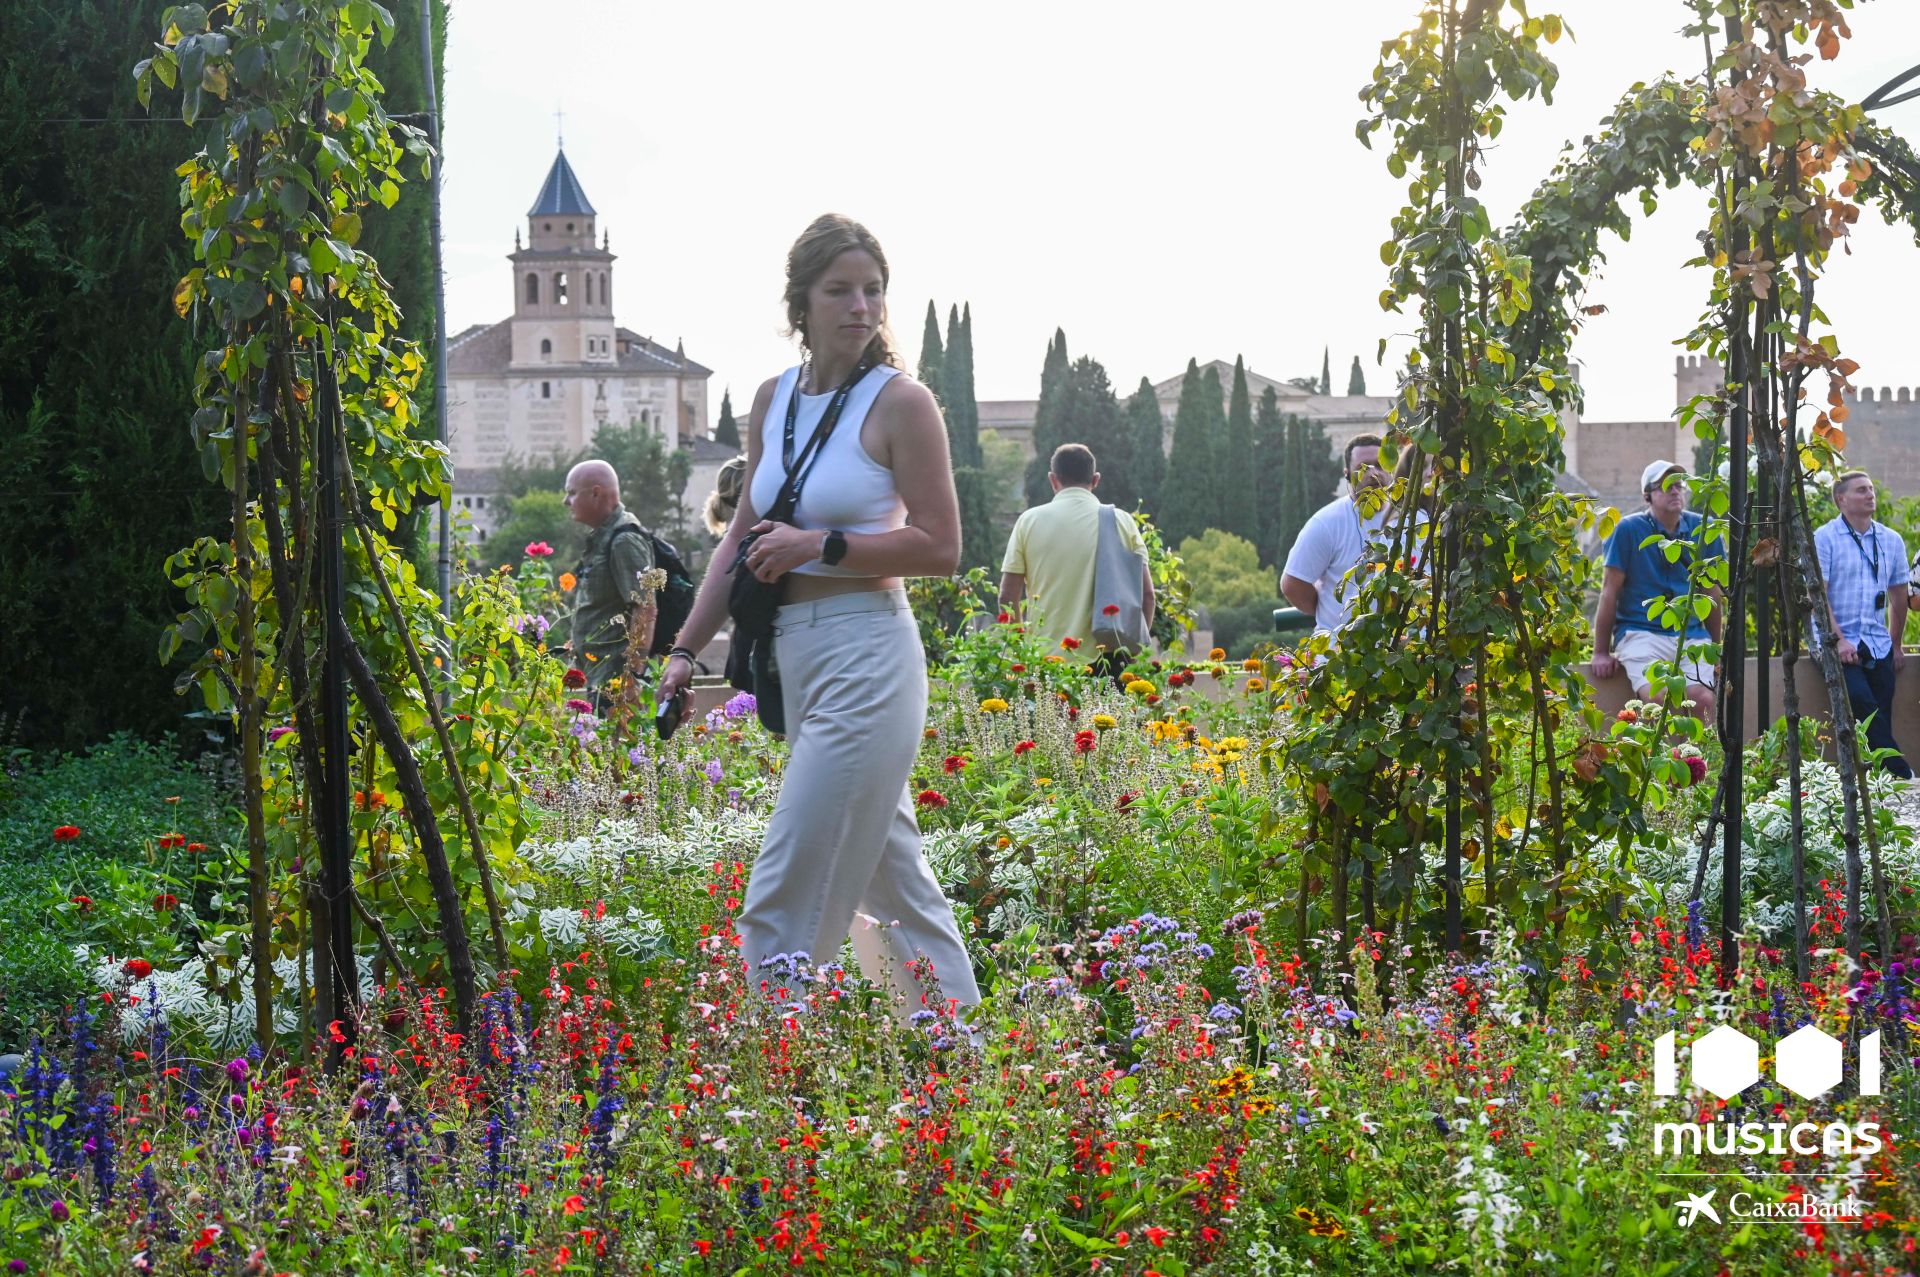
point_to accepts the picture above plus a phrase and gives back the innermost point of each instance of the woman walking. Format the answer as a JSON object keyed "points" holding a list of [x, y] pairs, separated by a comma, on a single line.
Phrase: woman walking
{"points": [[842, 850]]}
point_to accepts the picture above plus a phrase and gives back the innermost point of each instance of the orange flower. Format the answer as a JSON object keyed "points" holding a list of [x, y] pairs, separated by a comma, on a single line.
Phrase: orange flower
{"points": [[567, 582], [1070, 642]]}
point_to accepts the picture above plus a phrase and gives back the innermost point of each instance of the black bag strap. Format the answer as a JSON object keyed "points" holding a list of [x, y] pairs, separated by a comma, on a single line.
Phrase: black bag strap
{"points": [[797, 471]]}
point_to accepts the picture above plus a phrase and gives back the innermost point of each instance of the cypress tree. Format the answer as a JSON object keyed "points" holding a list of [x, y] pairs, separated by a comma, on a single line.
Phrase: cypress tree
{"points": [[1238, 511], [1147, 459], [1046, 431], [1356, 380], [1188, 496], [932, 356], [1326, 371], [727, 431], [1090, 414], [956, 378], [1273, 483]]}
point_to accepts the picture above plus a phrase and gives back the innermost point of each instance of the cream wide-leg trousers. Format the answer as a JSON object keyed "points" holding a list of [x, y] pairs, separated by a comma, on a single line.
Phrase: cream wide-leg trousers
{"points": [[843, 840]]}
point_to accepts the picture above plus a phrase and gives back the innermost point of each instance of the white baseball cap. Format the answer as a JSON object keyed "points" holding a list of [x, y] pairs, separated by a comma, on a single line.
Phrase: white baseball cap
{"points": [[1650, 477]]}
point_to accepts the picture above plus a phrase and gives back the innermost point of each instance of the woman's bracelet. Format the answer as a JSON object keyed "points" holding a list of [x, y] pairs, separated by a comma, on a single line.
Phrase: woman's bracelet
{"points": [[681, 651]]}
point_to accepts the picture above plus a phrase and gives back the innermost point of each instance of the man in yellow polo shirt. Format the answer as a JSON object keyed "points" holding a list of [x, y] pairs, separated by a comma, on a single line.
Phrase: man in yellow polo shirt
{"points": [[1049, 564]]}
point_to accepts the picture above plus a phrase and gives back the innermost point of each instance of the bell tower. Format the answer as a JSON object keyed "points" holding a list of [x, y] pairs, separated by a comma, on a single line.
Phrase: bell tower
{"points": [[562, 280]]}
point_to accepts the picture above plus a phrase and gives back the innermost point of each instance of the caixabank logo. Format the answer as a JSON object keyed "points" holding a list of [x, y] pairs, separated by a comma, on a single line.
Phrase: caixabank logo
{"points": [[1726, 1062]]}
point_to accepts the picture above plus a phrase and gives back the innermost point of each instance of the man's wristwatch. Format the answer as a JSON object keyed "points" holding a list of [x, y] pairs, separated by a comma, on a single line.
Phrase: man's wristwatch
{"points": [[834, 548], [681, 651]]}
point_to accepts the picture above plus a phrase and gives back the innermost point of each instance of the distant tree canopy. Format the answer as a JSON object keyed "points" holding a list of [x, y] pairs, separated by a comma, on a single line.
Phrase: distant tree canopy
{"points": [[99, 480], [653, 485]]}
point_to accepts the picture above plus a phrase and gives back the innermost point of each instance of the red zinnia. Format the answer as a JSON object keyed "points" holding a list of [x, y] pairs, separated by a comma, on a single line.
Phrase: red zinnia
{"points": [[166, 902], [1022, 748], [1070, 642], [575, 678], [173, 840], [580, 707], [1127, 800], [1111, 609], [574, 1205], [65, 833], [1083, 741], [954, 763], [932, 798], [1003, 618], [138, 968], [83, 903]]}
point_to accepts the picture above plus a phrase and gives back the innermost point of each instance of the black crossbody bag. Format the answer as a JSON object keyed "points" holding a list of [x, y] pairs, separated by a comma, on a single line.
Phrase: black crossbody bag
{"points": [[752, 602]]}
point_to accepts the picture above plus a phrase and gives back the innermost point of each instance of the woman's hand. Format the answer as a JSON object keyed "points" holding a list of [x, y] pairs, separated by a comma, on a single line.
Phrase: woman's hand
{"points": [[781, 548], [676, 683]]}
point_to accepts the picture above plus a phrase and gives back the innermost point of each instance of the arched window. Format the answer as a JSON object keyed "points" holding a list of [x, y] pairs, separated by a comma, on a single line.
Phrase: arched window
{"points": [[644, 420], [533, 290], [569, 228], [546, 347], [560, 289], [606, 289], [587, 281]]}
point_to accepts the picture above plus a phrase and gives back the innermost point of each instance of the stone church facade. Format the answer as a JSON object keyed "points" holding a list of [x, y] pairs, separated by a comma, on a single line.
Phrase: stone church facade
{"points": [[544, 379]]}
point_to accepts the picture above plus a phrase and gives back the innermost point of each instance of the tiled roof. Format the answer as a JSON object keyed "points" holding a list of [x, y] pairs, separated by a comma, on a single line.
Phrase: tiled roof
{"points": [[481, 349], [562, 193], [643, 354]]}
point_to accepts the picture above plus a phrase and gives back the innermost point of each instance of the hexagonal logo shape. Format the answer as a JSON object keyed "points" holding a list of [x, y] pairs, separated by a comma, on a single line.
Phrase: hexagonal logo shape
{"points": [[1725, 1062], [1807, 1062]]}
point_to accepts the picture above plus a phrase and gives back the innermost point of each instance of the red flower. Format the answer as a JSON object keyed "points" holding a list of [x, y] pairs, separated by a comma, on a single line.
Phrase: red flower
{"points": [[82, 903], [1019, 668], [703, 1246], [579, 706], [1022, 748], [173, 840], [1003, 618], [1083, 741], [1070, 642], [1127, 800], [932, 798], [138, 968], [954, 763], [539, 550], [65, 833], [1157, 1235], [574, 1205], [1111, 609], [166, 902], [196, 846], [575, 678]]}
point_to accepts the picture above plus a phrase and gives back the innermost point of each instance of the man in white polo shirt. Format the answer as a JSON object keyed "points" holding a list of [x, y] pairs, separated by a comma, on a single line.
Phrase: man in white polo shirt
{"points": [[1334, 540], [1049, 564]]}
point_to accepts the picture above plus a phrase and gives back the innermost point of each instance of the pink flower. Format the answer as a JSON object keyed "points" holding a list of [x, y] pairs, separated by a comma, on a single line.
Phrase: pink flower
{"points": [[539, 550], [579, 706], [932, 798]]}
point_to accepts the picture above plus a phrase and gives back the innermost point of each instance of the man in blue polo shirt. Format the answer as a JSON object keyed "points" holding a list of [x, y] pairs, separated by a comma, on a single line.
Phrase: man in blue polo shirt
{"points": [[1625, 637], [1864, 563]]}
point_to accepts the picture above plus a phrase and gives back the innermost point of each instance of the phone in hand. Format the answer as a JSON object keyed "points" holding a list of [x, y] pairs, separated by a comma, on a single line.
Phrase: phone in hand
{"points": [[667, 717]]}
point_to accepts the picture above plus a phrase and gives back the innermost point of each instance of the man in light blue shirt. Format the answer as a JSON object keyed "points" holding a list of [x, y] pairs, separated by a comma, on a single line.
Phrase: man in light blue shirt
{"points": [[1865, 565]]}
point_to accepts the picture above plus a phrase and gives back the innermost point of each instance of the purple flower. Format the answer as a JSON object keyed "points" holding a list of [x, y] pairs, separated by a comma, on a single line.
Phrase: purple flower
{"points": [[714, 771], [278, 732], [58, 1212], [16, 1265], [741, 705], [236, 1102], [244, 1135], [237, 1069]]}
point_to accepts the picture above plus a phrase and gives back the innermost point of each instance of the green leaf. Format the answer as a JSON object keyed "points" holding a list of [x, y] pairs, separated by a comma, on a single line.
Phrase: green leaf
{"points": [[321, 255]]}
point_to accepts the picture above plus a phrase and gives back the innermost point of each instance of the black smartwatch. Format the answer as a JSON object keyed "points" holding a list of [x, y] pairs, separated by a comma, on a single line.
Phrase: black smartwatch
{"points": [[835, 548]]}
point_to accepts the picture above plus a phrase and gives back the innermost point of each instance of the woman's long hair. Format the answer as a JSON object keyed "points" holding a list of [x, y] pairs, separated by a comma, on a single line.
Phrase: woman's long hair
{"points": [[829, 236], [725, 497]]}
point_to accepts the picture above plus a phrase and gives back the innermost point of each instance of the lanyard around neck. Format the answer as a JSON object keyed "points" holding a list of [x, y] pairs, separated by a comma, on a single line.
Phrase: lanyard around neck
{"points": [[1873, 535], [797, 478]]}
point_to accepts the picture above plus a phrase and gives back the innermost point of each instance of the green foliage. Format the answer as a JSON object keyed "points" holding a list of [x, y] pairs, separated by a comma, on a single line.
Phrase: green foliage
{"points": [[727, 430], [1231, 583], [1189, 497], [1147, 457], [1239, 479], [1356, 379], [122, 795], [1326, 370], [94, 490], [932, 354], [956, 390], [1046, 419], [539, 515]]}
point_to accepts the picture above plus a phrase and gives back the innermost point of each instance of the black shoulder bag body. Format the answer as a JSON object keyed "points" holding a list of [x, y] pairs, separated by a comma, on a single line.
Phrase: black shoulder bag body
{"points": [[752, 602]]}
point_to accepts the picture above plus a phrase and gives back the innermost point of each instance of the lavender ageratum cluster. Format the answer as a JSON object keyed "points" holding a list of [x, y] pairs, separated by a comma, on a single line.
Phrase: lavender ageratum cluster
{"points": [[739, 706]]}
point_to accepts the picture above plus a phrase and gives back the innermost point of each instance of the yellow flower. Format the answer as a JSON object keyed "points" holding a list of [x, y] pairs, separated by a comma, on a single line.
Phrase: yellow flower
{"points": [[1304, 1214], [1139, 687], [1231, 742], [1217, 654], [1259, 1106], [1234, 1083], [1104, 722], [1327, 1226], [1256, 685], [1251, 663], [993, 705], [1042, 781], [567, 582]]}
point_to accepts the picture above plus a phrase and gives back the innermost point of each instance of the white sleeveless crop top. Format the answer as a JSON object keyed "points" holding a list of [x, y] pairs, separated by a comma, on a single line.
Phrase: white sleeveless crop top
{"points": [[846, 489]]}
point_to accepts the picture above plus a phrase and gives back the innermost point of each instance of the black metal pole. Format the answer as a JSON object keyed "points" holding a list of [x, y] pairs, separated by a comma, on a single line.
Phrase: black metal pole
{"points": [[439, 294], [1733, 622], [336, 850]]}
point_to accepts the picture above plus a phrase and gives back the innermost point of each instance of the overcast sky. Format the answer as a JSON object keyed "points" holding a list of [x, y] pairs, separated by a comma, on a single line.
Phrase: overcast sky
{"points": [[1159, 186]]}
